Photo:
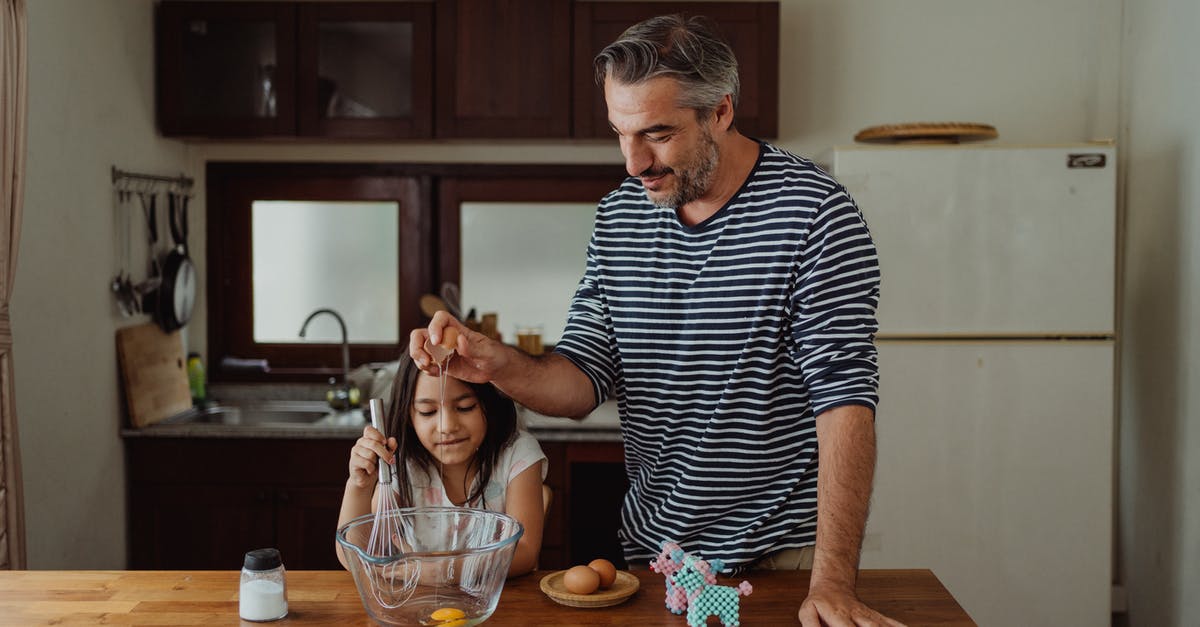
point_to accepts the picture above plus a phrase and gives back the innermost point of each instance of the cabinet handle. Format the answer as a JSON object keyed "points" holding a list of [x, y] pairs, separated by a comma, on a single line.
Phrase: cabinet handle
{"points": [[262, 497], [284, 497]]}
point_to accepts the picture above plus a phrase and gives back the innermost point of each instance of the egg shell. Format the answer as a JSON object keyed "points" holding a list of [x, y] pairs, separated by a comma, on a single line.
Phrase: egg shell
{"points": [[606, 570], [449, 338], [581, 580]]}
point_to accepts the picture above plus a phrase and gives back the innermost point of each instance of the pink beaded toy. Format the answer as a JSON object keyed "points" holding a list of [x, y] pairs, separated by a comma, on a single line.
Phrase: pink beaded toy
{"points": [[691, 585], [668, 562]]}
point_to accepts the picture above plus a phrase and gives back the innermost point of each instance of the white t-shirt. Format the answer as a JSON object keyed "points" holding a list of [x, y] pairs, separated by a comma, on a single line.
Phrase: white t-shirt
{"points": [[521, 453]]}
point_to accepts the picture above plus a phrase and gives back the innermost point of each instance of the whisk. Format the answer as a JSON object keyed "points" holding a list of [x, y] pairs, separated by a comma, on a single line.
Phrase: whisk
{"points": [[392, 577]]}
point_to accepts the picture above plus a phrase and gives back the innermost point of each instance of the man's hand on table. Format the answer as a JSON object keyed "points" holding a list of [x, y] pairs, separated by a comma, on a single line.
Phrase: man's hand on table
{"points": [[836, 607]]}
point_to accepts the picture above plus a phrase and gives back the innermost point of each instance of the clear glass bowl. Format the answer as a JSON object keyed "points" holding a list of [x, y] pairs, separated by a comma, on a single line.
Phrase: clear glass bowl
{"points": [[448, 564]]}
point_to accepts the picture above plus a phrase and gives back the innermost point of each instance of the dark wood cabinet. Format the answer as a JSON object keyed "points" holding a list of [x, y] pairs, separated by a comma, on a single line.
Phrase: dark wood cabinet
{"points": [[588, 479], [422, 68], [226, 69], [186, 525], [751, 28], [503, 68], [310, 69], [365, 69], [201, 503]]}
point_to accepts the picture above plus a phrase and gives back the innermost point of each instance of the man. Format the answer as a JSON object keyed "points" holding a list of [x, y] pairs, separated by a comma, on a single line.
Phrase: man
{"points": [[729, 305]]}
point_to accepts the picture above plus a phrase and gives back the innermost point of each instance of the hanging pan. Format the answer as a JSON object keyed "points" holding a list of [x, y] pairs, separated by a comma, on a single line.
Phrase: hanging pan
{"points": [[177, 294]]}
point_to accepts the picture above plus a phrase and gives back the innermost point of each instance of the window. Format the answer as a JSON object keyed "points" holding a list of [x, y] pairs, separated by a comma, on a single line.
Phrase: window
{"points": [[525, 290], [319, 245], [287, 239], [368, 240]]}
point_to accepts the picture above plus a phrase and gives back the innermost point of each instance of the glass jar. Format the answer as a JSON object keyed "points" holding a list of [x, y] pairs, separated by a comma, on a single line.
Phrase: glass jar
{"points": [[262, 595]]}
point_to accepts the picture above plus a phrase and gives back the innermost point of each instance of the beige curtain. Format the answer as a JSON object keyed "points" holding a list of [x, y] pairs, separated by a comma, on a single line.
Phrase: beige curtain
{"points": [[13, 94]]}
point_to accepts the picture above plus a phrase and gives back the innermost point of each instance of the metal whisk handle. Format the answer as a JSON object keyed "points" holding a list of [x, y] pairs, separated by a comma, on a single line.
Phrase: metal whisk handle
{"points": [[375, 407], [385, 473]]}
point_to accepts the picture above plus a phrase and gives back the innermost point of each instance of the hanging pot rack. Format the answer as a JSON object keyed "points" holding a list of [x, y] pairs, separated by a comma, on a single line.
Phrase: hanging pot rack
{"points": [[122, 179], [168, 289]]}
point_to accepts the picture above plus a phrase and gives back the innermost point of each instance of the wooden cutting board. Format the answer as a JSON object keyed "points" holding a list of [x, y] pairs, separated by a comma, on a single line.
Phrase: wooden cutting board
{"points": [[153, 373]]}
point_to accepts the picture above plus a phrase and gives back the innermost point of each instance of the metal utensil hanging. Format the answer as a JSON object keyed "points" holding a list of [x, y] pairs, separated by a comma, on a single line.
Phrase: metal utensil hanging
{"points": [[149, 202], [140, 297], [122, 283]]}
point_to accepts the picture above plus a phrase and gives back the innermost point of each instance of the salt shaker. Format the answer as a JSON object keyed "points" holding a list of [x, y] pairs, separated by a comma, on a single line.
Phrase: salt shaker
{"points": [[263, 591]]}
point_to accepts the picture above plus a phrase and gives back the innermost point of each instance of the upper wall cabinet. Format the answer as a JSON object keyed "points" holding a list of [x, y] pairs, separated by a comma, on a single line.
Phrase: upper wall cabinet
{"points": [[365, 69], [503, 68], [226, 69], [421, 68], [751, 28], [327, 69]]}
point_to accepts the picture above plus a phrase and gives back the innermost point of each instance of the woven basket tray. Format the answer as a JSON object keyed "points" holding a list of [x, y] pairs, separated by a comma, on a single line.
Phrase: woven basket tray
{"points": [[622, 588], [927, 133]]}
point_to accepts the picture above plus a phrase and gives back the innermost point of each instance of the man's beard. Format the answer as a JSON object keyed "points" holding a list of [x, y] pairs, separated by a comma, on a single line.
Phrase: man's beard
{"points": [[693, 181]]}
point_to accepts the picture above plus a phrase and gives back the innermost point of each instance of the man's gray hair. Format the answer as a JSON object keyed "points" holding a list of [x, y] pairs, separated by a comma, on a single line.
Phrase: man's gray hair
{"points": [[687, 49]]}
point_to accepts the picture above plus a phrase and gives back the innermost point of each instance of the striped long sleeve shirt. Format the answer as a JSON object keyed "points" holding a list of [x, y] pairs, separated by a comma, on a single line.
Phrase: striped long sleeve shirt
{"points": [[721, 343]]}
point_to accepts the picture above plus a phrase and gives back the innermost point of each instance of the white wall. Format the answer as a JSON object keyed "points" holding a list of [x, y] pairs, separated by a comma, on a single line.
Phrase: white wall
{"points": [[1159, 510], [90, 107], [1038, 70]]}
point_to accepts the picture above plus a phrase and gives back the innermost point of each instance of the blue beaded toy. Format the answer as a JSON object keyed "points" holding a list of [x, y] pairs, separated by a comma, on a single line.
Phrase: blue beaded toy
{"points": [[691, 586]]}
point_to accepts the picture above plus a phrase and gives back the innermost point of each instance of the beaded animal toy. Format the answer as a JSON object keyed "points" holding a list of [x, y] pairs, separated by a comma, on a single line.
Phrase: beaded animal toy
{"points": [[697, 579], [691, 586], [668, 562]]}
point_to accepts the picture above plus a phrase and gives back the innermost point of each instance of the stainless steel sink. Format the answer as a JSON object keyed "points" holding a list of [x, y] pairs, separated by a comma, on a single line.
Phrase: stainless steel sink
{"points": [[270, 414]]}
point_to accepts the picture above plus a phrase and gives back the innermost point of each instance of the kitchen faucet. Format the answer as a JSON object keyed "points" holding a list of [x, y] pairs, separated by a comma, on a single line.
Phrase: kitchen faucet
{"points": [[345, 389]]}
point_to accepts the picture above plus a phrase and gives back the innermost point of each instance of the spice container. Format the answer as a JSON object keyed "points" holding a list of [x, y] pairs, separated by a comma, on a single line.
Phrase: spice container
{"points": [[262, 595]]}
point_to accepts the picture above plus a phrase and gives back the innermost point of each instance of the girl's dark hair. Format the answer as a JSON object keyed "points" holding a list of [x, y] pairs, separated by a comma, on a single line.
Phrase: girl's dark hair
{"points": [[499, 412]]}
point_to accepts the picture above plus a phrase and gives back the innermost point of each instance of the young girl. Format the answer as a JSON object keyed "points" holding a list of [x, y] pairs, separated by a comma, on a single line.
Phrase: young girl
{"points": [[472, 456]]}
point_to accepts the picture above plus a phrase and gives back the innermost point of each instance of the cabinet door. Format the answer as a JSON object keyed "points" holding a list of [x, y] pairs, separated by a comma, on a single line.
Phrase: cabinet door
{"points": [[226, 69], [751, 28], [198, 527], [589, 484], [503, 68], [307, 526], [597, 486], [995, 470], [365, 69]]}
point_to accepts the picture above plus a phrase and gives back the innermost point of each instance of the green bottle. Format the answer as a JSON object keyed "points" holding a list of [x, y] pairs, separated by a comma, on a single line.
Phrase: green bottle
{"points": [[195, 372]]}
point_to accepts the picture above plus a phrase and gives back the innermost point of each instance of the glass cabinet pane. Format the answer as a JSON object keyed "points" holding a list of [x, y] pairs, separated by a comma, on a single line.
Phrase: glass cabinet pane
{"points": [[229, 68], [524, 261], [339, 255], [364, 69]]}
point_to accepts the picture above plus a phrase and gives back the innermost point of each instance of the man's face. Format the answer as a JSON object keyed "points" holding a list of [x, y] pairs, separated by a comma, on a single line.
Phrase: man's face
{"points": [[665, 146]]}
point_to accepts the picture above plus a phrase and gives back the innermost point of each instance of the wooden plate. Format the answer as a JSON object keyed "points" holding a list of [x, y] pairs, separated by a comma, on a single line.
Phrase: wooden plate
{"points": [[623, 587], [927, 132]]}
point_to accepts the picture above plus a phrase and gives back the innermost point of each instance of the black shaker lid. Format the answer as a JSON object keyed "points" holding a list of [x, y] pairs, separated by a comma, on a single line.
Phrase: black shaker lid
{"points": [[262, 559]]}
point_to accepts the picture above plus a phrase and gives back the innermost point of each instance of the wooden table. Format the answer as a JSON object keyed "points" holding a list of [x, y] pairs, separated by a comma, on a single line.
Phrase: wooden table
{"points": [[915, 597]]}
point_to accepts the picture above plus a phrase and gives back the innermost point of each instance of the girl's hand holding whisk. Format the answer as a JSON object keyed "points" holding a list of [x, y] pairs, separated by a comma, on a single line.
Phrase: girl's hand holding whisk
{"points": [[365, 456]]}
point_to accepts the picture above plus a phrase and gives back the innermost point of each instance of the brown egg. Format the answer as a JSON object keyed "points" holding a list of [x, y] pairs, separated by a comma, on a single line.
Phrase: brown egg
{"points": [[606, 570], [581, 580], [449, 338]]}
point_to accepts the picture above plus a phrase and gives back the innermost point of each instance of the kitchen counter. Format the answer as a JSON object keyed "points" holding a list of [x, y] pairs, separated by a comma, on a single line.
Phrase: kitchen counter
{"points": [[915, 597], [602, 425]]}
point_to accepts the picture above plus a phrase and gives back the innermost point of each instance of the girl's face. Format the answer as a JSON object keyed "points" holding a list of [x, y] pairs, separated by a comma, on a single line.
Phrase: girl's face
{"points": [[462, 425]]}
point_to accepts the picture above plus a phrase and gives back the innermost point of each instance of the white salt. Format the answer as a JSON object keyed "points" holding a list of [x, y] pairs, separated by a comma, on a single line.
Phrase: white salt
{"points": [[262, 600]]}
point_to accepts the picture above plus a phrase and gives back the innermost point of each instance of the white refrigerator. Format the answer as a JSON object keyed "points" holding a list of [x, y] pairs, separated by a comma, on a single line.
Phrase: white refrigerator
{"points": [[997, 345]]}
